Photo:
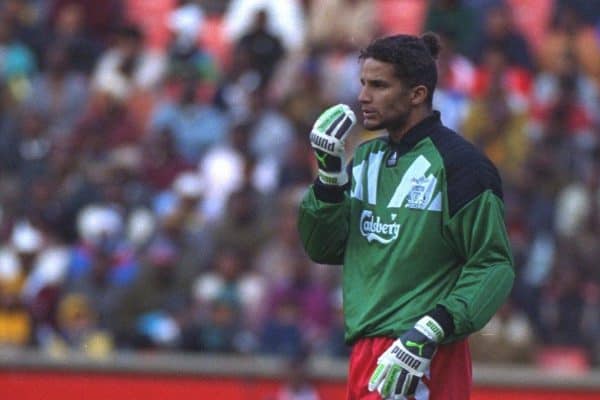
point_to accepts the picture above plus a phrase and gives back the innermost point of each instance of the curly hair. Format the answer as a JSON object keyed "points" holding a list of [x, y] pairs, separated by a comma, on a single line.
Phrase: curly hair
{"points": [[413, 58]]}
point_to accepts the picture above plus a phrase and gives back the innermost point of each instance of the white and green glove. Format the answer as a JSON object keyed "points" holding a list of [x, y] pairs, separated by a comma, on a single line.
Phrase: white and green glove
{"points": [[404, 363], [327, 139]]}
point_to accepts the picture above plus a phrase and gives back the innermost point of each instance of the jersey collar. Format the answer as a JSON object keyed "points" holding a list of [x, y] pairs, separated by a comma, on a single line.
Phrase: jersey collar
{"points": [[419, 131]]}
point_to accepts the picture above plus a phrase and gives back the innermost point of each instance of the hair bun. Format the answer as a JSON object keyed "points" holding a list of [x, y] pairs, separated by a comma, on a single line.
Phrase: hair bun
{"points": [[432, 43]]}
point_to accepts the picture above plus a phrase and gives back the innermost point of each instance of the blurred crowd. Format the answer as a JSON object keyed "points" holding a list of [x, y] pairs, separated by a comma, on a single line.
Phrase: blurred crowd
{"points": [[152, 159]]}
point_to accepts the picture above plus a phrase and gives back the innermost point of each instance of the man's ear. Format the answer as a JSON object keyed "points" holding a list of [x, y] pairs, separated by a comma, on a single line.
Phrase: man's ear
{"points": [[419, 95]]}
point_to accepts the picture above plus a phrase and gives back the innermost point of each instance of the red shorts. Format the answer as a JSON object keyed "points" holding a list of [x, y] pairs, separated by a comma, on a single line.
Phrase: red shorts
{"points": [[449, 376]]}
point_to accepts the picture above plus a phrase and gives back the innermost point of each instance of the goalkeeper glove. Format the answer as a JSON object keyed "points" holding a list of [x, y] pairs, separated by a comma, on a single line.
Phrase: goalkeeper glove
{"points": [[327, 139], [401, 366]]}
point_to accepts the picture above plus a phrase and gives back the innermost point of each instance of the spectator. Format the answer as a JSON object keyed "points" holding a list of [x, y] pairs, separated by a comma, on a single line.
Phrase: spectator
{"points": [[16, 325], [161, 161], [281, 334], [263, 49], [336, 346], [234, 90], [9, 138], [496, 121], [496, 69], [231, 279], [566, 90], [18, 63], [336, 66], [500, 32], [456, 77], [182, 224], [350, 23], [224, 170], [58, 93], [77, 330], [33, 271], [156, 295], [122, 184], [274, 259], [55, 198], [271, 131], [221, 331], [187, 59], [561, 308], [300, 87], [27, 24], [286, 20], [298, 168], [108, 123], [33, 147], [569, 36], [305, 297], [102, 265], [20, 254], [100, 18], [588, 10], [455, 17], [195, 125], [230, 287], [69, 33], [127, 67], [246, 224], [577, 203]]}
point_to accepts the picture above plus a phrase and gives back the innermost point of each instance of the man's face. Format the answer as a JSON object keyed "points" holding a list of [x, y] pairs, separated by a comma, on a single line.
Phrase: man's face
{"points": [[384, 99]]}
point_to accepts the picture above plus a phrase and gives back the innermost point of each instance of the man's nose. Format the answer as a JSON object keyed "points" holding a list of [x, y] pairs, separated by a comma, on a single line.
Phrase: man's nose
{"points": [[363, 96]]}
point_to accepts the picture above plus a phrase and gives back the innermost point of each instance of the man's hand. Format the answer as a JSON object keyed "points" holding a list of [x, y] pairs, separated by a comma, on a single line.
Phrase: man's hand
{"points": [[401, 366], [327, 139]]}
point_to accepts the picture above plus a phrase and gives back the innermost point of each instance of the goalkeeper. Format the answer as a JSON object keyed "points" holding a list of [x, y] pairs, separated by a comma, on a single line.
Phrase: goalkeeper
{"points": [[416, 219]]}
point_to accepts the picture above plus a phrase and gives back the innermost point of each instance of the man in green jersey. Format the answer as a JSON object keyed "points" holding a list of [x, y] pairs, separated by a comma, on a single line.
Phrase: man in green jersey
{"points": [[416, 219]]}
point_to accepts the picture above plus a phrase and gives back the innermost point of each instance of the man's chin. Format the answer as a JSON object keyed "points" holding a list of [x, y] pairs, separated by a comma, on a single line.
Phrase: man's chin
{"points": [[372, 125]]}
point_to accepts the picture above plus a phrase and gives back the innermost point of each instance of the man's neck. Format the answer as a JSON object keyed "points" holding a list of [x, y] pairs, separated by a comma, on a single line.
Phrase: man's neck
{"points": [[418, 115]]}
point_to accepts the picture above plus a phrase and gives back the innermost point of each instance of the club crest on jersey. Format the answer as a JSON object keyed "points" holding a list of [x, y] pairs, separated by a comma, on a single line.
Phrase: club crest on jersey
{"points": [[420, 192], [373, 229]]}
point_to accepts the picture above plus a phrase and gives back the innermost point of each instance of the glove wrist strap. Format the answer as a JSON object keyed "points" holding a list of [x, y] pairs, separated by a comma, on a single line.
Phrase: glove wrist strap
{"points": [[333, 179], [430, 328]]}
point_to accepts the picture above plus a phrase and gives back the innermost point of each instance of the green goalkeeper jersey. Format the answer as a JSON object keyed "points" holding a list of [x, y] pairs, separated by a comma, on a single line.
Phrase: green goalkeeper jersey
{"points": [[419, 226]]}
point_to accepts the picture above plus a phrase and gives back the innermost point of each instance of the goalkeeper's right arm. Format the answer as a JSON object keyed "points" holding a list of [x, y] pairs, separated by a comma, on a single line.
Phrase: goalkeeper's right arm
{"points": [[325, 209]]}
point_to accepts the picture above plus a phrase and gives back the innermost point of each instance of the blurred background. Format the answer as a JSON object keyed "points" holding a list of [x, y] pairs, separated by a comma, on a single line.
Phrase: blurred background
{"points": [[153, 155]]}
